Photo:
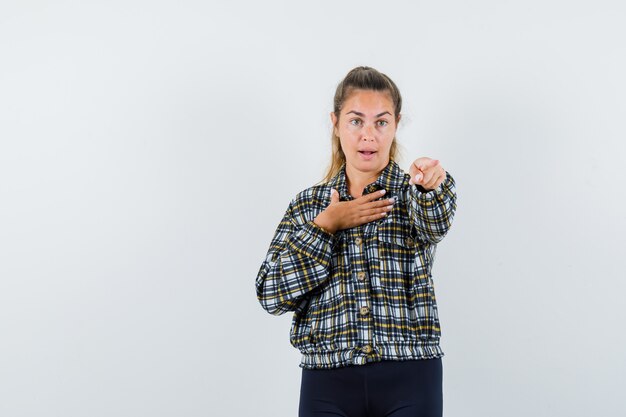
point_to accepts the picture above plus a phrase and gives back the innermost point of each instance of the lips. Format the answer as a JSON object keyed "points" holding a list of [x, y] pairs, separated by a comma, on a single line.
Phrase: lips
{"points": [[367, 154]]}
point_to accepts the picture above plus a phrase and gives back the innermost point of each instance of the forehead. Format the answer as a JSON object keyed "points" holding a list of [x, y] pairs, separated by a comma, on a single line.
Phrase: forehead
{"points": [[368, 101]]}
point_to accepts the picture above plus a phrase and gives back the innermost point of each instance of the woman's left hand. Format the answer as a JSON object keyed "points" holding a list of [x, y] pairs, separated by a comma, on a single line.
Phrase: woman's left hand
{"points": [[427, 172]]}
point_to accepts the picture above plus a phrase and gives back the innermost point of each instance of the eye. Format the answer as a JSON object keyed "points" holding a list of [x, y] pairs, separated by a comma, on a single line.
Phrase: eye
{"points": [[382, 123], [355, 122]]}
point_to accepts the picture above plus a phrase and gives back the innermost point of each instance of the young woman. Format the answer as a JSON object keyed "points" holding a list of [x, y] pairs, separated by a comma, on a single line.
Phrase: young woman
{"points": [[352, 258]]}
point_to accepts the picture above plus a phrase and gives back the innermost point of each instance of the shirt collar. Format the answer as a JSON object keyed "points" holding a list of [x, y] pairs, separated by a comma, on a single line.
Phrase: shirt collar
{"points": [[390, 179]]}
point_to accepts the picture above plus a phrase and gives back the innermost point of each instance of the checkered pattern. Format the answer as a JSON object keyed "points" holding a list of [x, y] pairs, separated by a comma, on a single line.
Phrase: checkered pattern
{"points": [[363, 294]]}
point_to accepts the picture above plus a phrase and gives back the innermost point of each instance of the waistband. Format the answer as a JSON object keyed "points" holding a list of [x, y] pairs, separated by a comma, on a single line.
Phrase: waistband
{"points": [[387, 350]]}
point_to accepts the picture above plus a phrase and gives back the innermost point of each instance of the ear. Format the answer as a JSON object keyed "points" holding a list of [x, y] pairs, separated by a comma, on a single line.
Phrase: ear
{"points": [[333, 120], [398, 120]]}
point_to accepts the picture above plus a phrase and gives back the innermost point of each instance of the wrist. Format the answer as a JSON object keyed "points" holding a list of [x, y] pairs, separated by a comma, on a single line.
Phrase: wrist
{"points": [[321, 222], [421, 189]]}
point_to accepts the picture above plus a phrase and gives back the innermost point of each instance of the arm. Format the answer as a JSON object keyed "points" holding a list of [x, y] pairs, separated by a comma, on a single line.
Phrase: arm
{"points": [[431, 212], [298, 260]]}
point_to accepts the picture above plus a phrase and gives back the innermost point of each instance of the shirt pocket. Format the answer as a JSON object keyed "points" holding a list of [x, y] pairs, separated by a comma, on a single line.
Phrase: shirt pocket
{"points": [[325, 324], [330, 324], [397, 252], [301, 330], [423, 319]]}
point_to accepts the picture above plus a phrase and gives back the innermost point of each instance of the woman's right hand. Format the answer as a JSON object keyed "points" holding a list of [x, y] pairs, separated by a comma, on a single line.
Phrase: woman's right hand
{"points": [[341, 215]]}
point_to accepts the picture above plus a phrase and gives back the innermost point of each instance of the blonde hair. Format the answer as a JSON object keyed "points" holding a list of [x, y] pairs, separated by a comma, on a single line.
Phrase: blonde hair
{"points": [[360, 78]]}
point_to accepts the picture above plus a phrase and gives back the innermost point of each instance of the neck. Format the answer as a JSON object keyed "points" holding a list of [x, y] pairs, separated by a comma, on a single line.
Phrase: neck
{"points": [[357, 180]]}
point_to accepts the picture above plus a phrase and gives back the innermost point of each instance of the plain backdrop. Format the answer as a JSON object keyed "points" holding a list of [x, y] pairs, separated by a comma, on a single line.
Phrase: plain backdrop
{"points": [[149, 149]]}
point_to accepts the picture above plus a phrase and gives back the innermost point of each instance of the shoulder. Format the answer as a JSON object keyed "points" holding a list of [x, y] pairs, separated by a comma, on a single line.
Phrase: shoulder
{"points": [[309, 202], [316, 192]]}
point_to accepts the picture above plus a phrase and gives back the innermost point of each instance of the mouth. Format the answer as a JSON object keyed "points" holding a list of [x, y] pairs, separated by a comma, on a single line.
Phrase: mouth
{"points": [[367, 155]]}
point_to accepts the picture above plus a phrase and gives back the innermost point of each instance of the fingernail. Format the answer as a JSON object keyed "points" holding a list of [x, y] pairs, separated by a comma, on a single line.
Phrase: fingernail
{"points": [[389, 207], [383, 191], [392, 200]]}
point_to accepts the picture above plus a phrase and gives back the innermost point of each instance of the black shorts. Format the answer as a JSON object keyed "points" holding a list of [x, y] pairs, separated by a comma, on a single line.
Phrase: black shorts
{"points": [[409, 388]]}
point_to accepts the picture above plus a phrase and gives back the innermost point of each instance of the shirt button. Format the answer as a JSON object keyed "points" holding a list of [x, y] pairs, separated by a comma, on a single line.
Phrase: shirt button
{"points": [[367, 349], [358, 241], [361, 276], [409, 241], [365, 310]]}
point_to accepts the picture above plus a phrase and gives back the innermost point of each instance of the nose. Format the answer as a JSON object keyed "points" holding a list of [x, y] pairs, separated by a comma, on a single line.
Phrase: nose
{"points": [[368, 133]]}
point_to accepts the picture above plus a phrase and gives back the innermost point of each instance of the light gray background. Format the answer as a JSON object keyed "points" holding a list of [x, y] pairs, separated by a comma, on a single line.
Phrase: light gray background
{"points": [[150, 148]]}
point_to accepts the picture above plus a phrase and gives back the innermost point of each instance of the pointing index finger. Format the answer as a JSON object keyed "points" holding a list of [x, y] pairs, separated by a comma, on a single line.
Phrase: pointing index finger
{"points": [[424, 164]]}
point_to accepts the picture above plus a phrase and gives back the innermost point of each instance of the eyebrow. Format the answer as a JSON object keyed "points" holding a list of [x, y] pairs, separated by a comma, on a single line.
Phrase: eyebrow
{"points": [[362, 115]]}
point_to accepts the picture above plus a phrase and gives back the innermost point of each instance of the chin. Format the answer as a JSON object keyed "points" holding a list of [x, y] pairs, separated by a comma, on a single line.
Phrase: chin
{"points": [[373, 165]]}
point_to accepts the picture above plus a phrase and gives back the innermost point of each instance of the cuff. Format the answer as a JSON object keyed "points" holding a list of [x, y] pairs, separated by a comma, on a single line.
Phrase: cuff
{"points": [[314, 242]]}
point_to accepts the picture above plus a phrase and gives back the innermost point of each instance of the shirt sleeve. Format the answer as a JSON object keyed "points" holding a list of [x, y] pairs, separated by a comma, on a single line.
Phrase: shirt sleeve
{"points": [[432, 212], [298, 261]]}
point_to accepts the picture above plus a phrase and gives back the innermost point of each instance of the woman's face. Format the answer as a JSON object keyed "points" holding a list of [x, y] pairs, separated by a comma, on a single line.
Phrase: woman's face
{"points": [[366, 127]]}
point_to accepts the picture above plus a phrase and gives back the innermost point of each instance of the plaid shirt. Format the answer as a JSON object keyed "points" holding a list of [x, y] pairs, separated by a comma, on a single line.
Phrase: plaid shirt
{"points": [[364, 294]]}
